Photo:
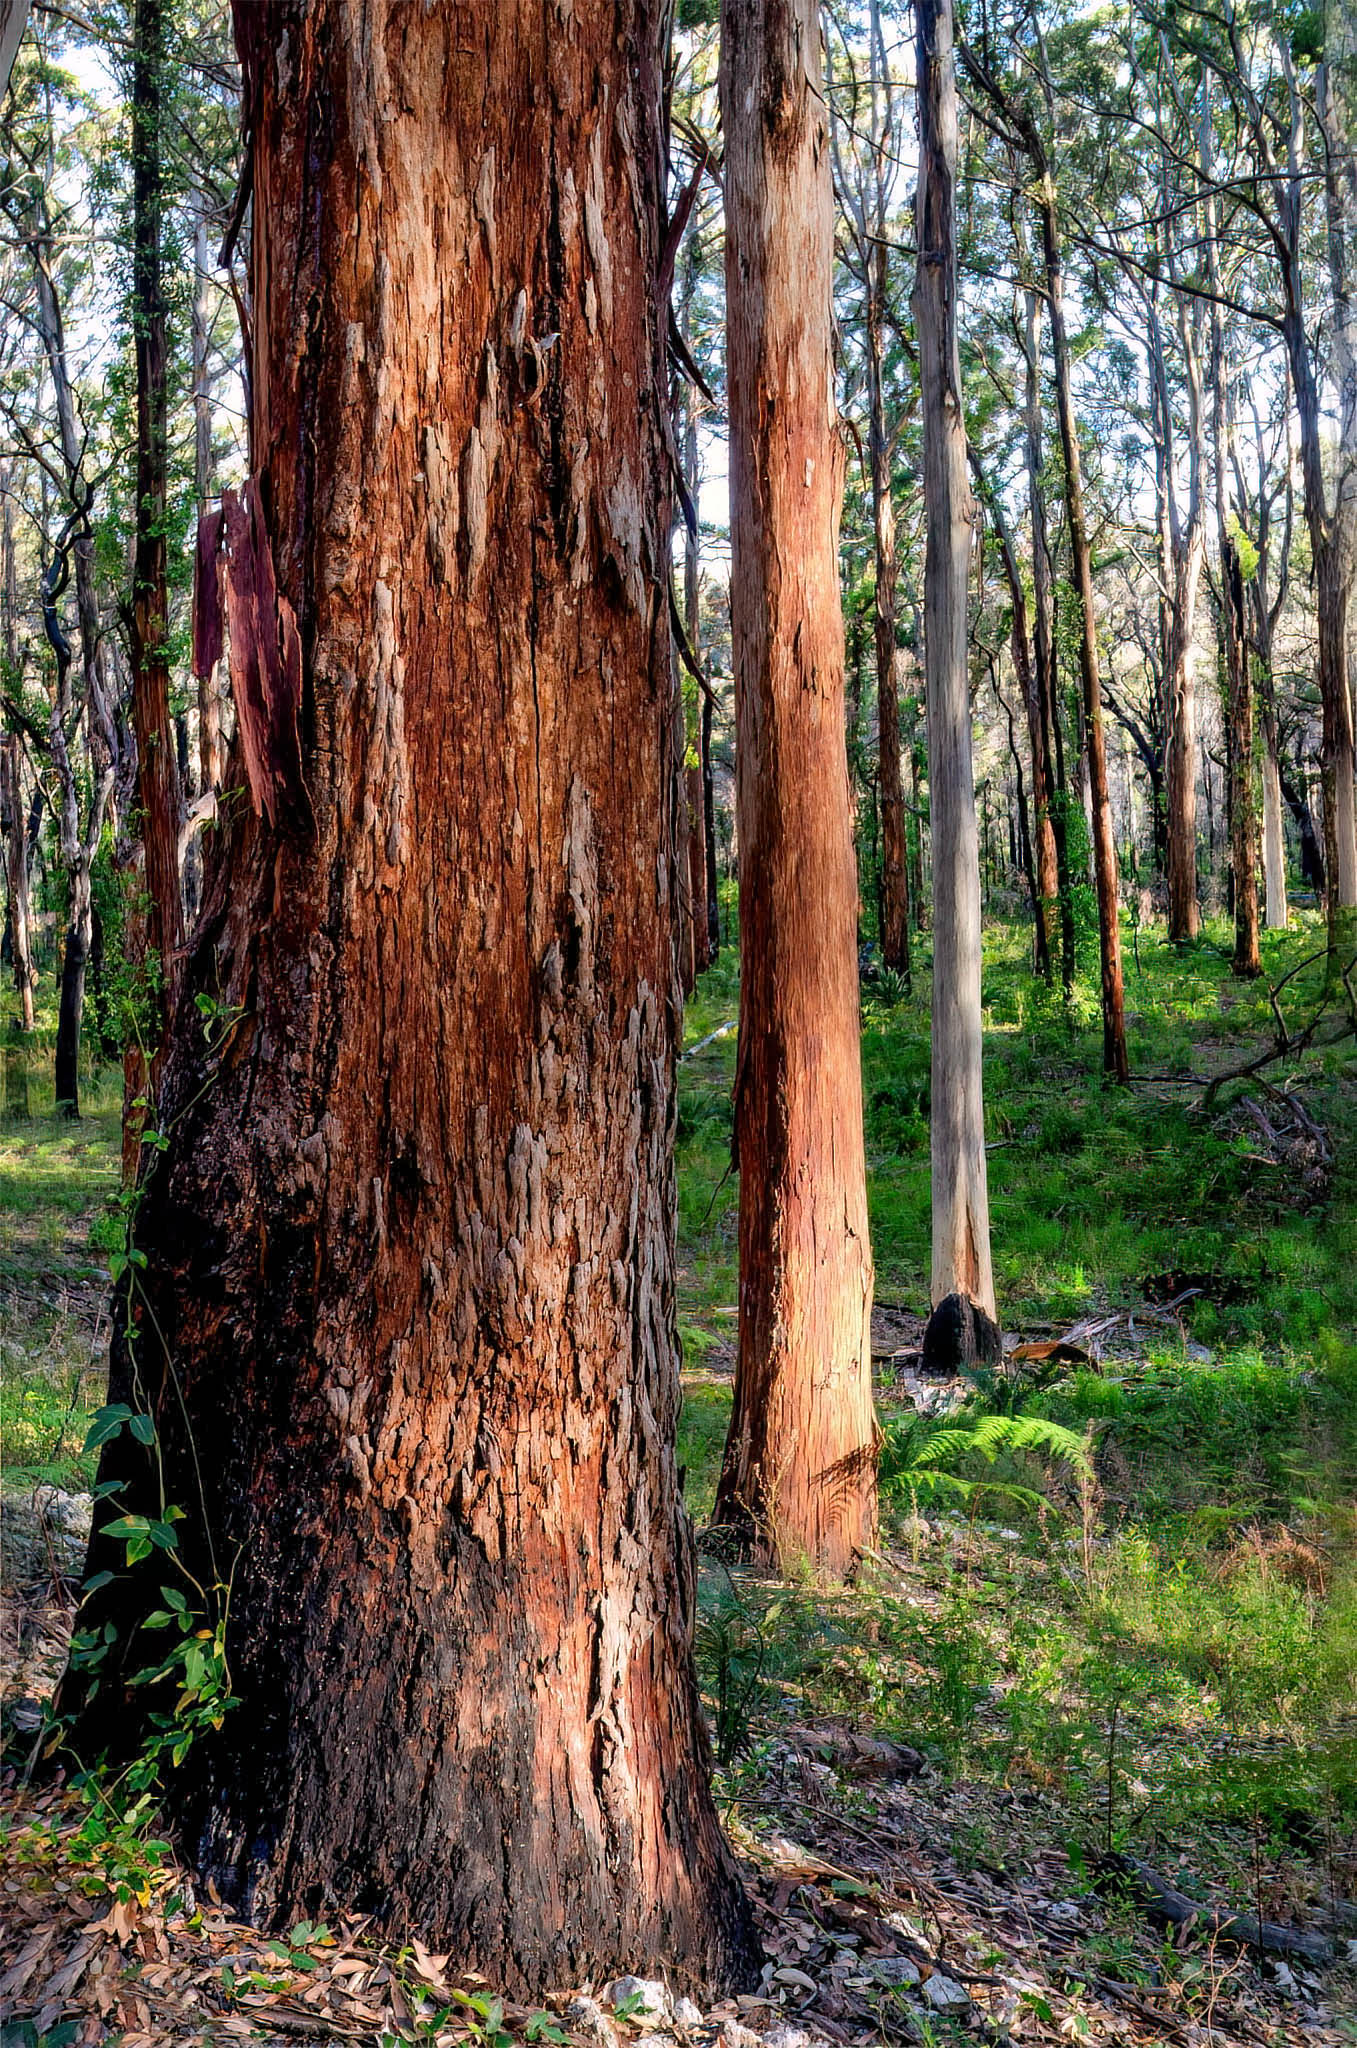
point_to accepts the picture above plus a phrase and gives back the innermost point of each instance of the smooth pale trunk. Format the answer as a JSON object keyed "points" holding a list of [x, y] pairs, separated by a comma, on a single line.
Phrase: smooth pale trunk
{"points": [[1274, 844], [960, 1198]]}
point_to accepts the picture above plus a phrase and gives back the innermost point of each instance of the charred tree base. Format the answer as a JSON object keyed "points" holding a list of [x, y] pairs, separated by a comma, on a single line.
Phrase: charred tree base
{"points": [[959, 1336]]}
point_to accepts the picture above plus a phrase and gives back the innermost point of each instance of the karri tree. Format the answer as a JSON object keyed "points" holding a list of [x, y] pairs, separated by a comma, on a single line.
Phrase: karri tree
{"points": [[405, 1325], [799, 1475]]}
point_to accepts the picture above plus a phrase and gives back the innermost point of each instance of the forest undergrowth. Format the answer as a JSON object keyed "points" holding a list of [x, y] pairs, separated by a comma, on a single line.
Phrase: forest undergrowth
{"points": [[1104, 1654]]}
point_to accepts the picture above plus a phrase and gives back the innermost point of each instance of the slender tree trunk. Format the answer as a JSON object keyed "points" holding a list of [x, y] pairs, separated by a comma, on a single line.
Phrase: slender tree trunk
{"points": [[894, 873], [1046, 678], [1104, 845], [1045, 871], [20, 914], [798, 1478], [1234, 628], [964, 1322], [408, 1329], [694, 789], [1297, 802], [78, 845], [709, 831], [158, 919], [1184, 553], [1274, 838], [209, 686]]}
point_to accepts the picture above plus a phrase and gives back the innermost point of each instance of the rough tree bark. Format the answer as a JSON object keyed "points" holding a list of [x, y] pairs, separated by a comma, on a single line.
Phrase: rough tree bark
{"points": [[964, 1322], [798, 1478], [410, 1250]]}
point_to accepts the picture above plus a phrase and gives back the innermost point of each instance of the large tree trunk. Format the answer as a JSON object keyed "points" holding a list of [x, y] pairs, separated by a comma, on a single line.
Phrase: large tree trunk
{"points": [[965, 1318], [798, 1479], [157, 931], [406, 1323], [894, 872]]}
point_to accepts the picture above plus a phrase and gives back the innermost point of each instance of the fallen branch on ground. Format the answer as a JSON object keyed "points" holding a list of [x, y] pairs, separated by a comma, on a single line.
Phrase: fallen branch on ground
{"points": [[1174, 1909]]}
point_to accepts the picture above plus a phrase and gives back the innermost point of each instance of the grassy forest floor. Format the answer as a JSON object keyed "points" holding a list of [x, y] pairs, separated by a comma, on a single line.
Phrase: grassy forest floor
{"points": [[1105, 1654]]}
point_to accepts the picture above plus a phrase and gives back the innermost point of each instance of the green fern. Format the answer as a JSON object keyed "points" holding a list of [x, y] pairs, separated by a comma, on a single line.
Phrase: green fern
{"points": [[917, 1455]]}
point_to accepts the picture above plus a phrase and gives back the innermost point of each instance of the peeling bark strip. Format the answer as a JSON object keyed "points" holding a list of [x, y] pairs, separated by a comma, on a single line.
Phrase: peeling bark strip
{"points": [[207, 580], [411, 1247], [266, 659], [799, 1475]]}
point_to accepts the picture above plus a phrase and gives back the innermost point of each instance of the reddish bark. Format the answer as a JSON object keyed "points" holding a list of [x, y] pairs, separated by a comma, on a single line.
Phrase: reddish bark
{"points": [[798, 1477], [411, 1246]]}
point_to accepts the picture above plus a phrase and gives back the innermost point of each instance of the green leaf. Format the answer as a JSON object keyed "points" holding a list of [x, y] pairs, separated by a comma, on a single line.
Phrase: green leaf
{"points": [[143, 1429], [126, 1525], [107, 1422]]}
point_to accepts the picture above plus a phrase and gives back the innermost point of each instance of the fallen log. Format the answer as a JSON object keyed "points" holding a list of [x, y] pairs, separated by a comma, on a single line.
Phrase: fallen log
{"points": [[1170, 1908]]}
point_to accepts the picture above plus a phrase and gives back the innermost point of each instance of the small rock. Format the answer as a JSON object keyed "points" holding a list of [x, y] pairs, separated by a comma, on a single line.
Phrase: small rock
{"points": [[733, 2035], [1066, 1911], [894, 1969], [588, 2016], [686, 2014], [782, 2035], [944, 1994], [647, 2000]]}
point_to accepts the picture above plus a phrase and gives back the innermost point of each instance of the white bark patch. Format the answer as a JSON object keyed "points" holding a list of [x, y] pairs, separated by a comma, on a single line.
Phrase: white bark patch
{"points": [[386, 791], [580, 853], [484, 204], [478, 469], [443, 500], [595, 236], [624, 522], [580, 482]]}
